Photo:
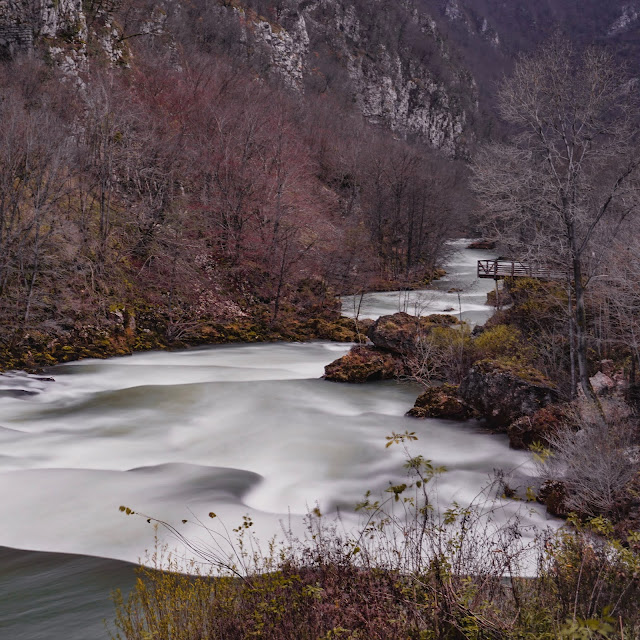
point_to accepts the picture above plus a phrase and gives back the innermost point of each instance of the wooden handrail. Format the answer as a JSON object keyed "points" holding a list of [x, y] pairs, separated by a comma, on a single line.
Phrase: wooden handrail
{"points": [[498, 269]]}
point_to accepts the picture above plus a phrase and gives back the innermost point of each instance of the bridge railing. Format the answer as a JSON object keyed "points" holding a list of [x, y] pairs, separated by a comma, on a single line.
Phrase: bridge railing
{"points": [[498, 269]]}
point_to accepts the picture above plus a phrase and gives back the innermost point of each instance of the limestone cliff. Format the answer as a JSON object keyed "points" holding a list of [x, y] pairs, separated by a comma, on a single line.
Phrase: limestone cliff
{"points": [[405, 81], [340, 44], [22, 23], [61, 30]]}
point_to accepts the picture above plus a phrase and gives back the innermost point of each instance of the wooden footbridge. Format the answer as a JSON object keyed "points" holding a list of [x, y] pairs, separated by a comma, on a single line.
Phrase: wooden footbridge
{"points": [[499, 269]]}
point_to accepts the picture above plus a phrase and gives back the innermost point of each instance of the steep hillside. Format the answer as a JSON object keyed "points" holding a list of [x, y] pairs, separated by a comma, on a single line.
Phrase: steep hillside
{"points": [[182, 172], [387, 58]]}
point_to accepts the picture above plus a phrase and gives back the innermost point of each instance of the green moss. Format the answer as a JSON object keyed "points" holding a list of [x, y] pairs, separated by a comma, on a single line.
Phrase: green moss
{"points": [[514, 367]]}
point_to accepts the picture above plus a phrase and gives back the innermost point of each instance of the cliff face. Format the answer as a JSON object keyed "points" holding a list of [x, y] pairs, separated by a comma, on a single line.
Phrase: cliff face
{"points": [[23, 23], [342, 45], [386, 69], [421, 68], [391, 78], [62, 30]]}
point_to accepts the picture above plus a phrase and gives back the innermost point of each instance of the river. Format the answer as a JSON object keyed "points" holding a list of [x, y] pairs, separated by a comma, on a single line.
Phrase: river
{"points": [[235, 429]]}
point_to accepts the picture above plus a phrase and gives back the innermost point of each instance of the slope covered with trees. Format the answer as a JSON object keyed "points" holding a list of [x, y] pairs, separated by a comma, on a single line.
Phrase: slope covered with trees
{"points": [[164, 186]]}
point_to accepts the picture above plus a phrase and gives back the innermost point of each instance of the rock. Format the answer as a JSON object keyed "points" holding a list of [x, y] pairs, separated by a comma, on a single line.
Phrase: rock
{"points": [[602, 384], [610, 381], [364, 364], [388, 87], [482, 244], [537, 428], [398, 332], [440, 402], [503, 299], [502, 392], [608, 367], [553, 494], [364, 325]]}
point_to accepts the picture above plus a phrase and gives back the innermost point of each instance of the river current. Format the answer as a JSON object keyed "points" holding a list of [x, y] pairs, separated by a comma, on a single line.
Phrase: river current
{"points": [[241, 429]]}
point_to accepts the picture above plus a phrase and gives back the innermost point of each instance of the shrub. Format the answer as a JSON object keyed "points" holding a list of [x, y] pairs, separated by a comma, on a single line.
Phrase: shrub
{"points": [[410, 571], [504, 342], [442, 353], [596, 463]]}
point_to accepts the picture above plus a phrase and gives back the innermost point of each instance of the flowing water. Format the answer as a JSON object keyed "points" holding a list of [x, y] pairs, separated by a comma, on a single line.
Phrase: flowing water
{"points": [[459, 293], [242, 429]]}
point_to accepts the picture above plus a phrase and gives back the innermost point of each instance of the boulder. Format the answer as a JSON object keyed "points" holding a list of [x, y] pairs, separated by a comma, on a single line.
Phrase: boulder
{"points": [[364, 364], [440, 402], [398, 332], [482, 244], [538, 427], [501, 392], [602, 384]]}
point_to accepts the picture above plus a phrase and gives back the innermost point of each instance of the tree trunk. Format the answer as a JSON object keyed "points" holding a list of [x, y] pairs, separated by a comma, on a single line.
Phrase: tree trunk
{"points": [[572, 341], [581, 331]]}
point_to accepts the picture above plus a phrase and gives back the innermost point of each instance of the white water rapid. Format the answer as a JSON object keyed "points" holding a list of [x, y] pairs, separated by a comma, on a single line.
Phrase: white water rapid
{"points": [[244, 429]]}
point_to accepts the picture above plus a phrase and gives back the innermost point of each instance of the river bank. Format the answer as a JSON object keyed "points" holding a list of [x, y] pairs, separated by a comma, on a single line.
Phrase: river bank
{"points": [[314, 313]]}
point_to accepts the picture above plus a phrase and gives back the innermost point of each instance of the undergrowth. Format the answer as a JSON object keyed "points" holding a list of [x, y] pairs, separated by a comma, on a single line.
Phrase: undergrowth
{"points": [[410, 571]]}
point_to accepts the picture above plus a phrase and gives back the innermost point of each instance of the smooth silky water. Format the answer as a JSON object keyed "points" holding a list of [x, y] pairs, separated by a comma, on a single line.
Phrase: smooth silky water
{"points": [[236, 429]]}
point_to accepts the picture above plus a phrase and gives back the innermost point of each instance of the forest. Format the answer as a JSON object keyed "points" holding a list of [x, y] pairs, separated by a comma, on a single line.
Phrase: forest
{"points": [[181, 187]]}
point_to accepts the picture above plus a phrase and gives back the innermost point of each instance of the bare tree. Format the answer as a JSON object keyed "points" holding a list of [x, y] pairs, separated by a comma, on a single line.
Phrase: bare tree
{"points": [[566, 184], [34, 153], [597, 463]]}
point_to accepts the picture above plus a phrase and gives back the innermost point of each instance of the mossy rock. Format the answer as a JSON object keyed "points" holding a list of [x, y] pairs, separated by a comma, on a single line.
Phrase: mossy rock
{"points": [[364, 364], [400, 332], [440, 402], [503, 391]]}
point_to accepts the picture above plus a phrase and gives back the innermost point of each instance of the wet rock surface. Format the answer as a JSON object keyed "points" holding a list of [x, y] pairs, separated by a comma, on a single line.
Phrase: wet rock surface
{"points": [[364, 364]]}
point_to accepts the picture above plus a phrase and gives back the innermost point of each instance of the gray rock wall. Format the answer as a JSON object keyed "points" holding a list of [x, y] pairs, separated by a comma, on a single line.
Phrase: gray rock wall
{"points": [[389, 88], [387, 84]]}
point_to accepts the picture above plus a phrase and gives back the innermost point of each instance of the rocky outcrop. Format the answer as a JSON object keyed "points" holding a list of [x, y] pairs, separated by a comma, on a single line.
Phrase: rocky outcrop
{"points": [[364, 364], [15, 39], [393, 87], [394, 340], [482, 244], [288, 47], [503, 392], [629, 16], [398, 332], [440, 402], [341, 47], [21, 23], [60, 28]]}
